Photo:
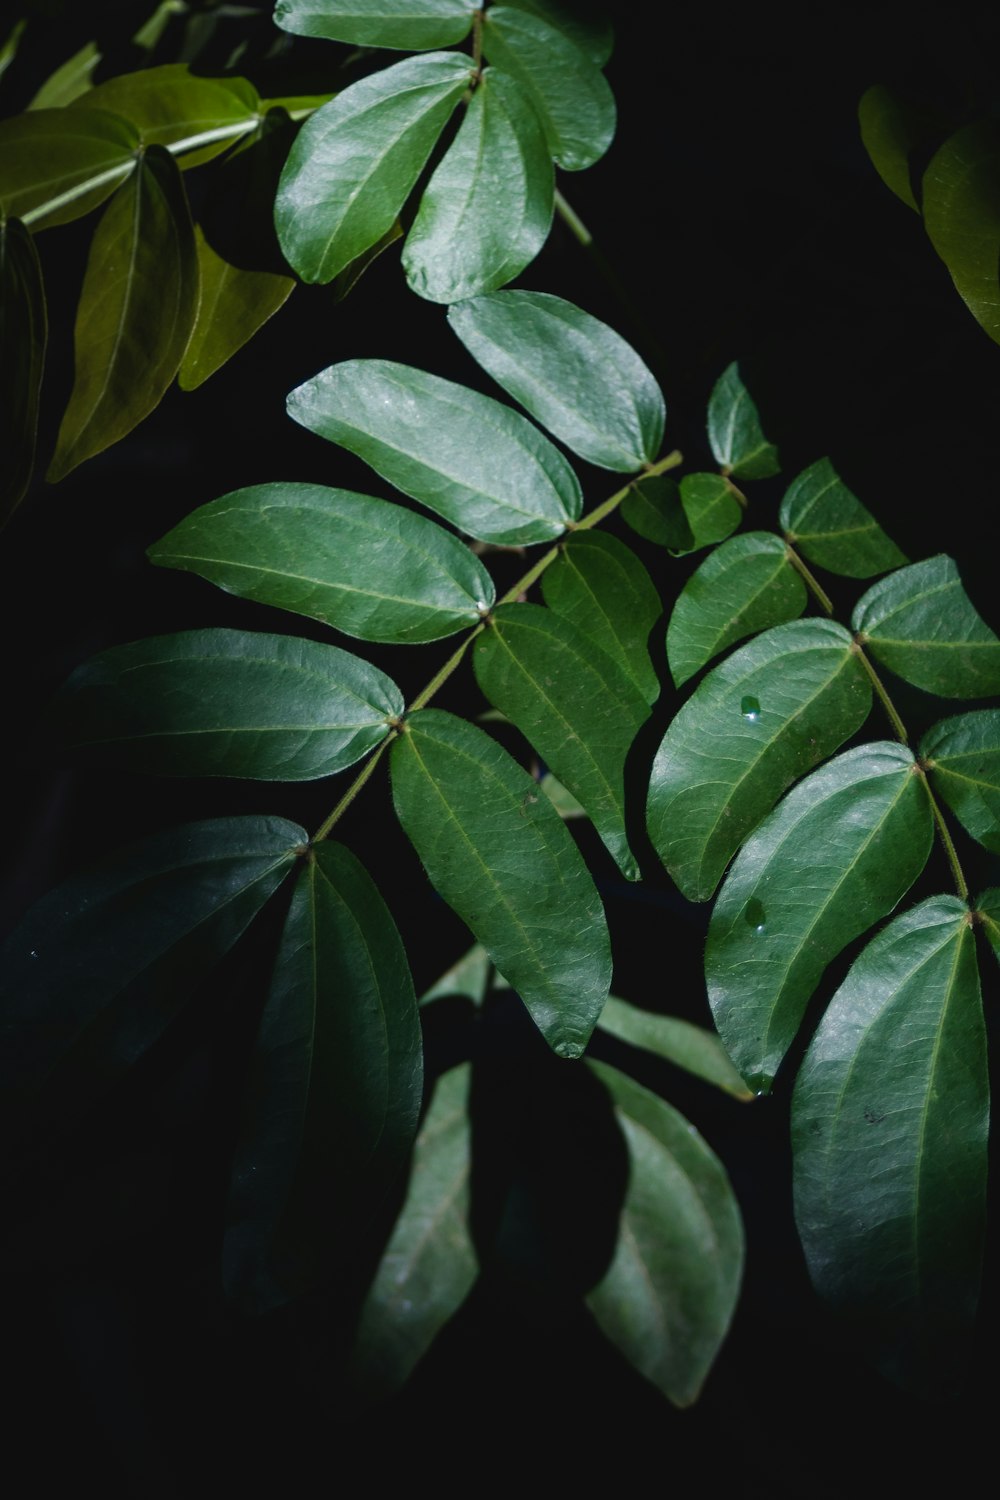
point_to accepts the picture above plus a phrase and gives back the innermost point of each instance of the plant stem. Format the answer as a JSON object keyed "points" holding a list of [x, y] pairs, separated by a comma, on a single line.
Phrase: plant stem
{"points": [[811, 581], [886, 701], [352, 791], [961, 885], [573, 222], [426, 694]]}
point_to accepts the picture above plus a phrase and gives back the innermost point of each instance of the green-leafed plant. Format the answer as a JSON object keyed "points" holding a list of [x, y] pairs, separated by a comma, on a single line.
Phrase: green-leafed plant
{"points": [[786, 787]]}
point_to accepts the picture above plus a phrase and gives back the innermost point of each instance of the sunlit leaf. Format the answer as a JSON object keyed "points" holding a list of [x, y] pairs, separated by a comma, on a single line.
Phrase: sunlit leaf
{"points": [[922, 625], [585, 22], [711, 510], [562, 799], [23, 336], [56, 166], [409, 25], [693, 1048], [8, 51], [233, 305], [668, 1297], [961, 201], [766, 715], [71, 79], [892, 128], [469, 978], [734, 432], [226, 703], [171, 106], [832, 528], [571, 372], [890, 1122], [479, 464], [500, 855], [654, 511], [832, 859], [962, 758]]}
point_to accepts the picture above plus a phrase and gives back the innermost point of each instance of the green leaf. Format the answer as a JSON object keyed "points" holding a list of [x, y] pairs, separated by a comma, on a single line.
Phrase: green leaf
{"points": [[346, 280], [746, 585], [654, 511], [584, 22], [833, 858], [574, 374], [23, 336], [600, 586], [890, 1122], [734, 431], [469, 978], [334, 1087], [573, 98], [832, 528], [501, 857], [921, 624], [430, 1264], [891, 129], [100, 966], [69, 81], [961, 195], [987, 909], [368, 567], [487, 210], [8, 50], [226, 703], [711, 510], [479, 464], [572, 703], [565, 804], [409, 25], [197, 118], [234, 304], [668, 1297], [56, 166], [355, 161], [136, 311], [693, 1048], [762, 718], [962, 758]]}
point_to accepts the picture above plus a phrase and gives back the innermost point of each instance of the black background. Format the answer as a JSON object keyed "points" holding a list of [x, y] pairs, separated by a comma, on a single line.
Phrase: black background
{"points": [[742, 219]]}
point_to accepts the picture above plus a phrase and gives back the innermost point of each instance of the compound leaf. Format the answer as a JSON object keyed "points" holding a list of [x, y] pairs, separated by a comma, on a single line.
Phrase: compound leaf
{"points": [[23, 336], [407, 25], [694, 1048], [832, 528], [56, 166], [734, 432], [962, 759]]}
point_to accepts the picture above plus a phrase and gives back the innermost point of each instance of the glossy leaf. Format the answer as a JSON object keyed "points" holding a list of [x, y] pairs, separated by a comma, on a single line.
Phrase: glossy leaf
{"points": [[584, 22], [23, 336], [654, 511], [487, 210], [922, 625], [891, 129], [71, 79], [197, 118], [832, 859], [572, 703], [501, 857], [355, 161], [368, 567], [56, 166], [830, 526], [479, 464], [962, 759], [226, 703], [890, 1122], [734, 432], [409, 25], [429, 1265], [136, 311], [746, 585], [334, 1087], [961, 202], [693, 1048], [469, 978], [600, 586], [570, 371], [711, 510], [573, 98], [234, 304], [668, 1297], [101, 965], [762, 718]]}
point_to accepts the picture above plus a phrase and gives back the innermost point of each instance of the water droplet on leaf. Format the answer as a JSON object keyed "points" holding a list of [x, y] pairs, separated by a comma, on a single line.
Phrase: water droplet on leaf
{"points": [[754, 915], [568, 1049], [750, 709]]}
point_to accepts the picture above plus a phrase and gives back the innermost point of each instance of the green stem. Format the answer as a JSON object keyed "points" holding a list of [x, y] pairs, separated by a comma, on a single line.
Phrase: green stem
{"points": [[573, 222], [612, 503], [352, 791], [439, 678], [961, 885], [811, 581], [477, 38], [886, 701]]}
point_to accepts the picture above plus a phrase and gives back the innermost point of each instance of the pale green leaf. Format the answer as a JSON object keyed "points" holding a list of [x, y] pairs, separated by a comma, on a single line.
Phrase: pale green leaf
{"points": [[8, 51], [409, 25], [234, 304], [711, 511], [562, 799], [71, 79], [654, 511], [961, 200], [56, 166], [828, 523], [197, 118], [23, 337], [693, 1048], [962, 758], [468, 978], [734, 432], [585, 22]]}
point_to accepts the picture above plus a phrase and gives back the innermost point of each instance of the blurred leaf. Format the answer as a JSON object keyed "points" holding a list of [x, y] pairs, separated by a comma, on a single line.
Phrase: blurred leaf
{"points": [[409, 25], [961, 193], [170, 106], [468, 978], [23, 337], [828, 523], [69, 81], [654, 511], [693, 1048], [734, 431], [56, 166], [892, 128], [585, 22], [711, 510], [8, 51], [962, 758]]}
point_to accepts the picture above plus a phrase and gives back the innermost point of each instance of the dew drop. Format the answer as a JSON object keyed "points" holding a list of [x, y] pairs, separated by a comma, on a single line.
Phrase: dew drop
{"points": [[568, 1049], [750, 709], [760, 1084], [754, 915]]}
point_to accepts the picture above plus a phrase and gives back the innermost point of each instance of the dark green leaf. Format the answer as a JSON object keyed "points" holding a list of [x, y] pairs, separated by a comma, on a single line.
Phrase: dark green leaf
{"points": [[831, 526], [987, 909], [355, 161], [500, 855], [600, 586], [574, 374], [136, 311], [23, 336], [653, 509], [668, 1297], [487, 210], [890, 1121], [573, 99], [961, 193], [346, 280], [572, 703], [765, 716], [584, 22], [832, 859], [334, 1087], [430, 1264], [891, 129], [921, 624], [711, 510], [479, 464], [197, 118], [746, 585], [368, 567], [69, 81], [962, 758], [734, 431], [469, 978], [56, 166], [693, 1048], [226, 703], [409, 25]]}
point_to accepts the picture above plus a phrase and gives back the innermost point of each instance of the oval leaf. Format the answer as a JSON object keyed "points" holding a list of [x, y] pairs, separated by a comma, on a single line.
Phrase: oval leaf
{"points": [[226, 703], [334, 1088], [769, 713], [56, 166], [409, 25], [487, 210], [962, 758], [482, 466], [961, 200], [693, 1048], [500, 855], [711, 510], [23, 336], [890, 1123], [831, 526], [574, 374], [170, 106], [668, 1297], [734, 432], [836, 855], [922, 625]]}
